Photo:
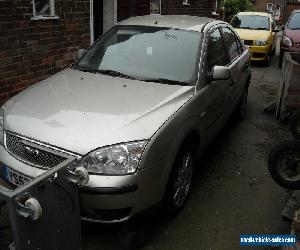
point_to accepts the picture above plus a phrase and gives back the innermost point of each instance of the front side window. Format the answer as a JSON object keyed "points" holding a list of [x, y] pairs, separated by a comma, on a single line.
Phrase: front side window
{"points": [[215, 50], [145, 53], [252, 22], [43, 8], [294, 22], [231, 44]]}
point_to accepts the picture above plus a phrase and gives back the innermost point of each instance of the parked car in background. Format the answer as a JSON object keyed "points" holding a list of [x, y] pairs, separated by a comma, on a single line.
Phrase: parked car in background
{"points": [[290, 40], [258, 31], [136, 109]]}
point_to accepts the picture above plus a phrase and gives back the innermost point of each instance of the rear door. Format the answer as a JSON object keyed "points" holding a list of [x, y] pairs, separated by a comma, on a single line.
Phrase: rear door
{"points": [[237, 63]]}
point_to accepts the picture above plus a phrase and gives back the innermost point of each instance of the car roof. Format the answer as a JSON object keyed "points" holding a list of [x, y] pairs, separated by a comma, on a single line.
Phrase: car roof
{"points": [[253, 13], [194, 23]]}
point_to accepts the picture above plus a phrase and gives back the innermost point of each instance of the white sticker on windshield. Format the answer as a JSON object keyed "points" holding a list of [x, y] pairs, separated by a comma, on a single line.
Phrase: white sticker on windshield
{"points": [[149, 51]]}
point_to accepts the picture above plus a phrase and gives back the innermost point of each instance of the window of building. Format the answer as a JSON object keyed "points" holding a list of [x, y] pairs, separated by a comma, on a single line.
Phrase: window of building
{"points": [[269, 6], [155, 6], [43, 9]]}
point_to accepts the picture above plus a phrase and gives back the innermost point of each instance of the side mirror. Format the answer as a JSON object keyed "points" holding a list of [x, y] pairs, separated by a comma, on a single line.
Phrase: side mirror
{"points": [[79, 53], [221, 73]]}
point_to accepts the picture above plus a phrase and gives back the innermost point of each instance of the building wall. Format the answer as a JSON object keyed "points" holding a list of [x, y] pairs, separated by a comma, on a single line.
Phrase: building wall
{"points": [[290, 8], [195, 7], [31, 50], [109, 14], [261, 5], [129, 8]]}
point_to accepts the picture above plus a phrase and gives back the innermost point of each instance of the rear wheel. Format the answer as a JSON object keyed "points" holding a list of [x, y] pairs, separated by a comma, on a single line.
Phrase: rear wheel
{"points": [[179, 184]]}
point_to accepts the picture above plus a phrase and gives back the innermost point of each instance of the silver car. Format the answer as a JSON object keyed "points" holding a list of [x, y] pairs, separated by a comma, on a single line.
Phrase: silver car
{"points": [[137, 108]]}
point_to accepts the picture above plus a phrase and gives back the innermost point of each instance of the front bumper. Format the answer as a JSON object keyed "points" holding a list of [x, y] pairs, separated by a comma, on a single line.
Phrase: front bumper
{"points": [[259, 53], [106, 199]]}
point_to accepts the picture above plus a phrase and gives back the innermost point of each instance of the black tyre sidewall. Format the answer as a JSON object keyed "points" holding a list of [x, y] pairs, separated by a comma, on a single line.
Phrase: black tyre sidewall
{"points": [[272, 164], [168, 203]]}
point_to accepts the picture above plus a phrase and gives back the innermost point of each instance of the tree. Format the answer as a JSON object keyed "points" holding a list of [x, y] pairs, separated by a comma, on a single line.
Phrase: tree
{"points": [[232, 7]]}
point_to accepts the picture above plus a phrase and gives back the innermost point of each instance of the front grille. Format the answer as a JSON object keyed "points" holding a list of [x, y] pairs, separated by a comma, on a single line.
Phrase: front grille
{"points": [[31, 153], [248, 42]]}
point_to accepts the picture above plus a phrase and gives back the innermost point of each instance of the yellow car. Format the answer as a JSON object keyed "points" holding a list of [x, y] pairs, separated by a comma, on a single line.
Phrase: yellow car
{"points": [[258, 31]]}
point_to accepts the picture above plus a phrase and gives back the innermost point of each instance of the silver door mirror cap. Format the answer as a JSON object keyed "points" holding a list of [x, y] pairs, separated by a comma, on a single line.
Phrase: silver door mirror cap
{"points": [[221, 73]]}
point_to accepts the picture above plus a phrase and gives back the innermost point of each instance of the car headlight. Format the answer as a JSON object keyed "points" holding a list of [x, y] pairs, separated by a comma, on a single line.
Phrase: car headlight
{"points": [[287, 41], [121, 159], [261, 42], [1, 126]]}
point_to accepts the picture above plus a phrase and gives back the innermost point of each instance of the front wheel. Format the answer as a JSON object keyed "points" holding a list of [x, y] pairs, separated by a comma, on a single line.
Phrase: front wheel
{"points": [[284, 164], [179, 184]]}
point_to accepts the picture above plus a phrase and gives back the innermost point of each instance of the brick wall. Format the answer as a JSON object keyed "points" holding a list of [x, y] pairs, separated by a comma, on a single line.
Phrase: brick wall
{"points": [[33, 50], [128, 8], [290, 8], [196, 7]]}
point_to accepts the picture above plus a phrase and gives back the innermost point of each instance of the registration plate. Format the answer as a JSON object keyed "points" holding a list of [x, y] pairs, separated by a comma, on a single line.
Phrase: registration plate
{"points": [[14, 177]]}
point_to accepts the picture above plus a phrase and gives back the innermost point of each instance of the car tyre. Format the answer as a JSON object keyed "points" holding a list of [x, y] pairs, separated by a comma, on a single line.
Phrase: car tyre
{"points": [[283, 164], [295, 125], [241, 109], [180, 180]]}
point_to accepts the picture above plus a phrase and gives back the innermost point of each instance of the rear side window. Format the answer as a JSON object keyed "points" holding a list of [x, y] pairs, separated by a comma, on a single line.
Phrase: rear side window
{"points": [[215, 51], [294, 22], [231, 44]]}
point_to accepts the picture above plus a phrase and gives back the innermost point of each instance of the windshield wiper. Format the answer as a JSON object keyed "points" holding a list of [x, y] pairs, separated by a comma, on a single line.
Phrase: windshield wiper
{"points": [[262, 29], [108, 72], [115, 73], [166, 81], [88, 70], [247, 28], [298, 28]]}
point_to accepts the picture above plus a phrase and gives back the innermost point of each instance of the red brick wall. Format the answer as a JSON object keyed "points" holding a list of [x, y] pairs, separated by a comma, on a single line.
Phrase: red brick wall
{"points": [[196, 7], [137, 7], [33, 50], [290, 8], [169, 7]]}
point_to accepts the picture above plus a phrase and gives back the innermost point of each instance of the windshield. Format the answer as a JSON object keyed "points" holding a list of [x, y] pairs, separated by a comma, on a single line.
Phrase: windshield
{"points": [[145, 53], [294, 22], [251, 22]]}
